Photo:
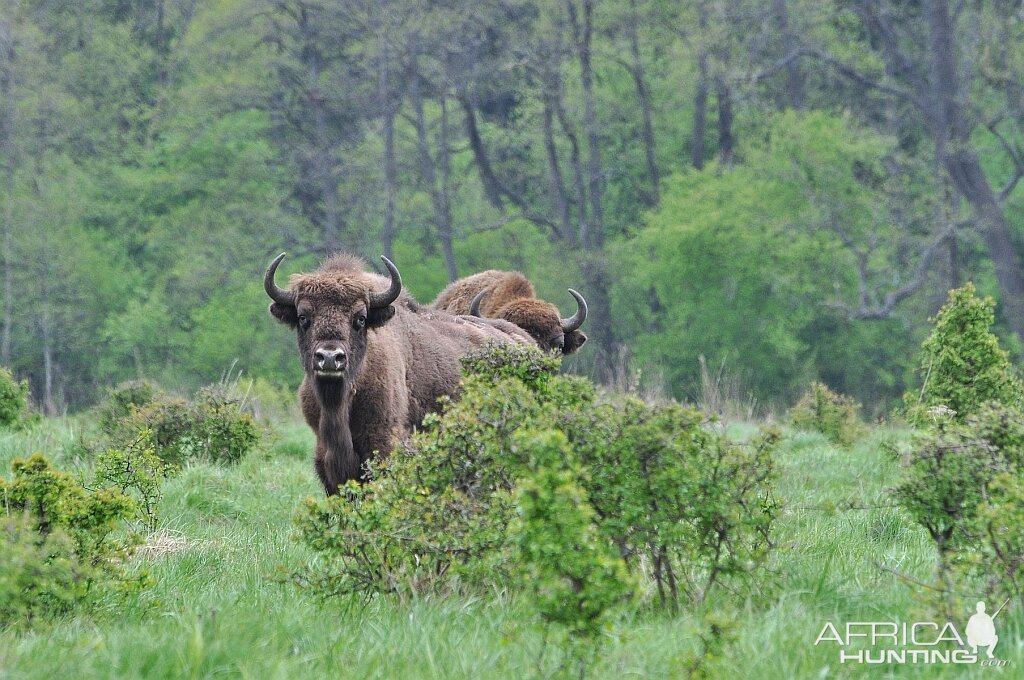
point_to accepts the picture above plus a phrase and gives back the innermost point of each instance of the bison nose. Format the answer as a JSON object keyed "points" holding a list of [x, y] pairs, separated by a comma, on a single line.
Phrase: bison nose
{"points": [[330, 359]]}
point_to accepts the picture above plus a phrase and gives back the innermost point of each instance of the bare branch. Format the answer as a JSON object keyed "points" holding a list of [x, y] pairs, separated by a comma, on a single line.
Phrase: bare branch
{"points": [[868, 312], [1013, 153]]}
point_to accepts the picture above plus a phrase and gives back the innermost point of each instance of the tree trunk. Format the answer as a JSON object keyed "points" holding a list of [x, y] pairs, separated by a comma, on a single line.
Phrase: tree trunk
{"points": [[389, 108], [322, 156], [794, 79], [576, 160], [583, 35], [700, 98], [725, 118], [7, 192], [951, 130], [445, 230], [49, 403], [965, 170], [438, 198], [491, 186], [643, 97], [559, 202], [389, 231]]}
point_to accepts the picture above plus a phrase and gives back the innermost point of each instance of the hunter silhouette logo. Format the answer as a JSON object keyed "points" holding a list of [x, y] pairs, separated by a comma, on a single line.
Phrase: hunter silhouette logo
{"points": [[981, 629], [917, 642]]}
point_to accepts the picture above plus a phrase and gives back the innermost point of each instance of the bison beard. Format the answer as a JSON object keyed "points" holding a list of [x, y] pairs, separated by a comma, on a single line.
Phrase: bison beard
{"points": [[510, 296], [375, 362]]}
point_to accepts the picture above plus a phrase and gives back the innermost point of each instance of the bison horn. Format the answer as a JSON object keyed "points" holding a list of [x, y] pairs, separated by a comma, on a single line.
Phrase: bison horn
{"points": [[278, 295], [378, 300], [577, 319], [474, 306]]}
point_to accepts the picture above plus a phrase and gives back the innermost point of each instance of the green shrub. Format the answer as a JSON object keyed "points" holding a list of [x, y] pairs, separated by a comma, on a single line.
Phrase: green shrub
{"points": [[962, 364], [137, 471], [119, 402], [229, 433], [59, 542], [212, 427], [833, 415], [13, 399], [665, 490], [963, 473], [572, 573], [960, 482]]}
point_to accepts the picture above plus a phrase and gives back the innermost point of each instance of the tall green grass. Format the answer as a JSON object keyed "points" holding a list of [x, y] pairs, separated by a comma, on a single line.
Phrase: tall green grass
{"points": [[217, 609]]}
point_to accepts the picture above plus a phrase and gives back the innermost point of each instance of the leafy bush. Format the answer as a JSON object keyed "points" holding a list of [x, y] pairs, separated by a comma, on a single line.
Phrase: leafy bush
{"points": [[962, 364], [59, 545], [212, 427], [119, 402], [13, 399], [833, 415], [573, 574], [961, 482], [137, 471], [962, 478], [438, 511]]}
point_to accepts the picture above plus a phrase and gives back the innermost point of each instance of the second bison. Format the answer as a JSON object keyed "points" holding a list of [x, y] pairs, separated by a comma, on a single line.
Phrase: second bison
{"points": [[510, 296]]}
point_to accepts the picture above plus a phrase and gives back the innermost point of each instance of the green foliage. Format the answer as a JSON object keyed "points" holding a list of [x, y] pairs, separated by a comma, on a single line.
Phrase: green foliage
{"points": [[13, 399], [573, 574], [212, 427], [138, 472], [728, 263], [834, 415], [119, 402], [665, 489], [961, 481], [499, 362], [60, 545], [962, 364]]}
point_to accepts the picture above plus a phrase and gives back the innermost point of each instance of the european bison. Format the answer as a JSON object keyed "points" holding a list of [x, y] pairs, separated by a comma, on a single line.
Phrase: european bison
{"points": [[375, 361], [510, 296]]}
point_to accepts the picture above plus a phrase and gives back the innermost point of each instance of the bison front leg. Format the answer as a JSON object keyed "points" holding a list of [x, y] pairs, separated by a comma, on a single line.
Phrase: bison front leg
{"points": [[320, 463]]}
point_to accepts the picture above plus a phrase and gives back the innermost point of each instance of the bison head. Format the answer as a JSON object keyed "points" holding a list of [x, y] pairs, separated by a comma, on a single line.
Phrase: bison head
{"points": [[332, 309], [542, 321]]}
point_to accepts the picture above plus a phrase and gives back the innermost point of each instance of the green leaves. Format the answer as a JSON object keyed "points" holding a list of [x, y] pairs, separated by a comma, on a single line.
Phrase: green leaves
{"points": [[962, 364], [834, 415], [58, 542]]}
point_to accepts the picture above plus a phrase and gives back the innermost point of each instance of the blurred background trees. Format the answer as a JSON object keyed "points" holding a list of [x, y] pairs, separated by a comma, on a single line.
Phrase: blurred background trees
{"points": [[785, 188]]}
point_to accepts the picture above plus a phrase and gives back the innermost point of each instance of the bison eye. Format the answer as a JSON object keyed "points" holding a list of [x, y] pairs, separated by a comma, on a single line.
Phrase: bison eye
{"points": [[303, 321], [359, 321]]}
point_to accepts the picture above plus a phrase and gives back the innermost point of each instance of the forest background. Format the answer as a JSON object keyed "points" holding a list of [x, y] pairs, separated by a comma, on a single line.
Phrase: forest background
{"points": [[776, 192]]}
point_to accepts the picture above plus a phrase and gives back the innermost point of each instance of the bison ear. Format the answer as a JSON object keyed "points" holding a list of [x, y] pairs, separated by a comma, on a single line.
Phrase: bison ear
{"points": [[285, 314], [573, 341], [378, 317]]}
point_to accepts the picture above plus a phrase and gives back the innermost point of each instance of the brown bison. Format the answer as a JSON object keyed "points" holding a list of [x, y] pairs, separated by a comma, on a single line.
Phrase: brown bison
{"points": [[510, 296], [375, 361]]}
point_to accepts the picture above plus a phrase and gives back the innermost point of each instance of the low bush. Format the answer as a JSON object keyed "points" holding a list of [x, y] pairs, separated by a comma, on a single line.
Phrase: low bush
{"points": [[664, 491], [137, 471], [13, 400], [60, 544], [833, 415], [210, 427], [121, 399]]}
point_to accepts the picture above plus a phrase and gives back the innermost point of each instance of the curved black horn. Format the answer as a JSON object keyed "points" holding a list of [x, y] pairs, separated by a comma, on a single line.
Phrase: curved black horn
{"points": [[378, 300], [278, 295], [577, 319], [474, 306]]}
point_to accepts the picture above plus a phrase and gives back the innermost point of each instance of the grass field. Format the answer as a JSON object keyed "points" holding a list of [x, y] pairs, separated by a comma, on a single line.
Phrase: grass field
{"points": [[217, 611]]}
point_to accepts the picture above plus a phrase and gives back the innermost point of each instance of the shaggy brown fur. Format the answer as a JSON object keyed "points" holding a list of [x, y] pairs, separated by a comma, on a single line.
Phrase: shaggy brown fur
{"points": [[510, 296], [395, 363]]}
